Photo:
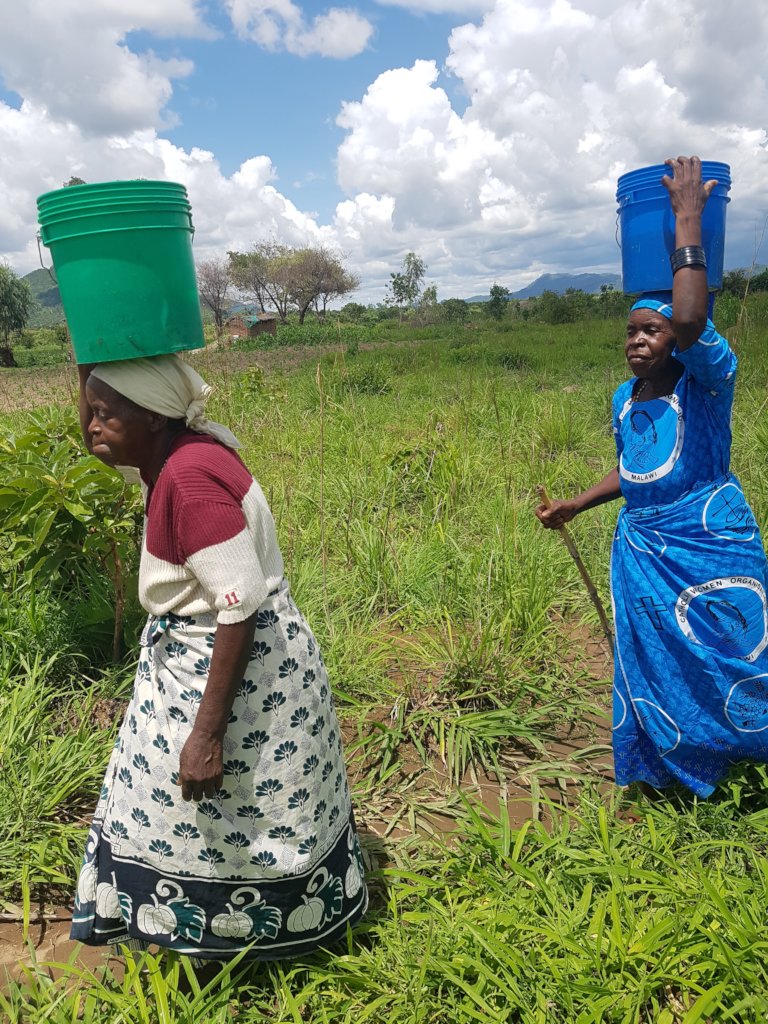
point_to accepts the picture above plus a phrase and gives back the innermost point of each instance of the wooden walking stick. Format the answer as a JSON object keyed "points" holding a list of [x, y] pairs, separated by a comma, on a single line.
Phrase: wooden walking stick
{"points": [[573, 552]]}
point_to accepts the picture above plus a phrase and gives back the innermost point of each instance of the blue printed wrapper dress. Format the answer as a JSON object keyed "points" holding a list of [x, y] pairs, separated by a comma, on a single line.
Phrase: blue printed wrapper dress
{"points": [[688, 583]]}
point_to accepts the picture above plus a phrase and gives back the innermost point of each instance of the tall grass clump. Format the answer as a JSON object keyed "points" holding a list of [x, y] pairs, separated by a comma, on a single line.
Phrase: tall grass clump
{"points": [[52, 758]]}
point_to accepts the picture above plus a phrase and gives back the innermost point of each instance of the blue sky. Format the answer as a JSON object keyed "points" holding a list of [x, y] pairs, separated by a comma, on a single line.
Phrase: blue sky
{"points": [[485, 135], [240, 100]]}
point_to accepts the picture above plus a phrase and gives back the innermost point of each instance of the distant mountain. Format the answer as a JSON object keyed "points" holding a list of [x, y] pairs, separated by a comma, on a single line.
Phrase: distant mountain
{"points": [[49, 310], [559, 283], [43, 288]]}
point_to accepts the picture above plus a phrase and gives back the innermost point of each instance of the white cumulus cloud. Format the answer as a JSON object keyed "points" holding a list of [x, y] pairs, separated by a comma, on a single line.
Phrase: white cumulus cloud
{"points": [[70, 57], [339, 32], [561, 98], [465, 8], [228, 212]]}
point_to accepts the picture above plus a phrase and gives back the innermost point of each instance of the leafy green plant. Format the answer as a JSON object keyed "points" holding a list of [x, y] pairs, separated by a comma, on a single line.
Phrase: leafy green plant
{"points": [[65, 517]]}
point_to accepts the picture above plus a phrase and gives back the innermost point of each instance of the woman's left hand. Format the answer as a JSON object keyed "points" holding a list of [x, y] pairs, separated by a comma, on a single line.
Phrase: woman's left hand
{"points": [[201, 770]]}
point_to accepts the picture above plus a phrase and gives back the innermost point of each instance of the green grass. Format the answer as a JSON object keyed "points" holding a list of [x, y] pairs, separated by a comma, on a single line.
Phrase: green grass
{"points": [[402, 479]]}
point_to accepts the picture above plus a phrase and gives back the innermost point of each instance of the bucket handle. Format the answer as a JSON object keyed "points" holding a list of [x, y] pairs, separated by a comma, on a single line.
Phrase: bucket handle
{"points": [[49, 270], [618, 238]]}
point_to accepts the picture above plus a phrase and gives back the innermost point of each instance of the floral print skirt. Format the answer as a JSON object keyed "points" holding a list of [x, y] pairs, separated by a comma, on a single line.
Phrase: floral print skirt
{"points": [[273, 861]]}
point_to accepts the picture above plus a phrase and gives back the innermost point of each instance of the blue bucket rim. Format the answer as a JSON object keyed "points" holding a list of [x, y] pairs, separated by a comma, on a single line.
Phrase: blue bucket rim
{"points": [[650, 177]]}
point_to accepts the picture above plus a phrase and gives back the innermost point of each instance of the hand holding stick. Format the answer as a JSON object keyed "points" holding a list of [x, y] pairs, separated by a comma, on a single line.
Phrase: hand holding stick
{"points": [[573, 552]]}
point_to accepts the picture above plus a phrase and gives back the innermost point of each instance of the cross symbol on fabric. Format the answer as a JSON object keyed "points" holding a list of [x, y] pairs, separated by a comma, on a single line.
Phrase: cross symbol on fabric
{"points": [[735, 506], [648, 607]]}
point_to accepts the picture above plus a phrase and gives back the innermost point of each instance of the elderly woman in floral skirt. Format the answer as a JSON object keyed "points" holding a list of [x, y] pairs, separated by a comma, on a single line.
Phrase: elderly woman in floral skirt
{"points": [[225, 818]]}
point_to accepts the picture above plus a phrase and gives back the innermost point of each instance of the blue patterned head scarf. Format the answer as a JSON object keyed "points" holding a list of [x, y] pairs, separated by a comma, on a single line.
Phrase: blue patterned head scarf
{"points": [[660, 301]]}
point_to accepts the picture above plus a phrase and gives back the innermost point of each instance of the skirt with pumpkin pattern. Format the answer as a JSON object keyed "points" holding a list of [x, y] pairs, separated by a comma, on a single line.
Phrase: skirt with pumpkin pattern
{"points": [[273, 861]]}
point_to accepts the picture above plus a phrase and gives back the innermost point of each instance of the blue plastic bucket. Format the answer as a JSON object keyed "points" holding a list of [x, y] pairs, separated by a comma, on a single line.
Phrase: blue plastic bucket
{"points": [[647, 227]]}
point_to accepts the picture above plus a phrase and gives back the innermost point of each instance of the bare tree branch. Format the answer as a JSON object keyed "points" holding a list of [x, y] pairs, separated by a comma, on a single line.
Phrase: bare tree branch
{"points": [[214, 282]]}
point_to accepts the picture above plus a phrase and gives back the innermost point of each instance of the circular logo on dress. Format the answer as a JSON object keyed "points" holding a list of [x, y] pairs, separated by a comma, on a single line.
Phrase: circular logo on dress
{"points": [[652, 433], [746, 706], [726, 614], [727, 515]]}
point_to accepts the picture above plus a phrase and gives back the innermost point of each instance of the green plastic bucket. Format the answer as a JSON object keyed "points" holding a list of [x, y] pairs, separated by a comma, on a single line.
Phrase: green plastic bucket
{"points": [[122, 251]]}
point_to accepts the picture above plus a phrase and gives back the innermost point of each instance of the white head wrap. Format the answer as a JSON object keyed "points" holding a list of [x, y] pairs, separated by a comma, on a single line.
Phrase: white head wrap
{"points": [[166, 385]]}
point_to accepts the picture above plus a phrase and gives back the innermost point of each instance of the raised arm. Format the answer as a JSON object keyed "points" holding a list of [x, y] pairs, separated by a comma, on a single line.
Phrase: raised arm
{"points": [[688, 196], [561, 512]]}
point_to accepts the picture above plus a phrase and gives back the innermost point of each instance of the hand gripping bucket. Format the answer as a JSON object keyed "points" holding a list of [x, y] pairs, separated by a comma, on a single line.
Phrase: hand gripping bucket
{"points": [[122, 251], [647, 227]]}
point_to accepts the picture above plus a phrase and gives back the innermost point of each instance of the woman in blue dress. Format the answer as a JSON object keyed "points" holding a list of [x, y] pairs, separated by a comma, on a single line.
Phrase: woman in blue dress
{"points": [[688, 569]]}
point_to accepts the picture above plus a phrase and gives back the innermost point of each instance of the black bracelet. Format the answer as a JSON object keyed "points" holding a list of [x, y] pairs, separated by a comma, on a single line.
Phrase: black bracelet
{"points": [[688, 256]]}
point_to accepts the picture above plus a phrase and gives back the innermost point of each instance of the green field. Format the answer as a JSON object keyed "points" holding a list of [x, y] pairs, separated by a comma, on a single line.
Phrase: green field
{"points": [[510, 880]]}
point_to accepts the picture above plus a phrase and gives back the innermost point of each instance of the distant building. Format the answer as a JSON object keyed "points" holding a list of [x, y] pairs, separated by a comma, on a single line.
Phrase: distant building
{"points": [[250, 325]]}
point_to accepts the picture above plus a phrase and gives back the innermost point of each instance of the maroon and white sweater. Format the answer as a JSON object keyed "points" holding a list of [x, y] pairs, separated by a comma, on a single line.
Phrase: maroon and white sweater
{"points": [[209, 544]]}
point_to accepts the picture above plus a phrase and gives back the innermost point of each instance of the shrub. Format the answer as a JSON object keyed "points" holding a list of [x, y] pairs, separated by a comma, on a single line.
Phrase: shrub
{"points": [[362, 378], [40, 355], [512, 360], [66, 519], [369, 379], [468, 353]]}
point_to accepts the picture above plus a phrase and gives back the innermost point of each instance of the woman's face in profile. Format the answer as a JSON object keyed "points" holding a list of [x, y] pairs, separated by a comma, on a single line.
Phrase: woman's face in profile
{"points": [[119, 430]]}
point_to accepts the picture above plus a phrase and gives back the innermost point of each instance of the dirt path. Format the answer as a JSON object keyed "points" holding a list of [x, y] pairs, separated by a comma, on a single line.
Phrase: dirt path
{"points": [[47, 942]]}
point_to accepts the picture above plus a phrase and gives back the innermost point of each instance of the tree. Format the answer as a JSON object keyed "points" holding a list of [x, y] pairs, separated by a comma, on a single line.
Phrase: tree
{"points": [[405, 286], [497, 303], [213, 282], [249, 274], [317, 276], [611, 302], [290, 278], [74, 180], [550, 308], [740, 282], [428, 305], [16, 302], [335, 282], [578, 305], [353, 312], [455, 311]]}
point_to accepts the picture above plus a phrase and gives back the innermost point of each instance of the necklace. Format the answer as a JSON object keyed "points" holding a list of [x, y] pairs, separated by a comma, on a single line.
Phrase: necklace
{"points": [[640, 390], [643, 386]]}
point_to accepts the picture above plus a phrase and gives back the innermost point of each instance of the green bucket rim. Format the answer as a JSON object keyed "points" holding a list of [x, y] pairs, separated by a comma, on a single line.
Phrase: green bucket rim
{"points": [[71, 213], [118, 202], [116, 230], [79, 200], [113, 197], [120, 185]]}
